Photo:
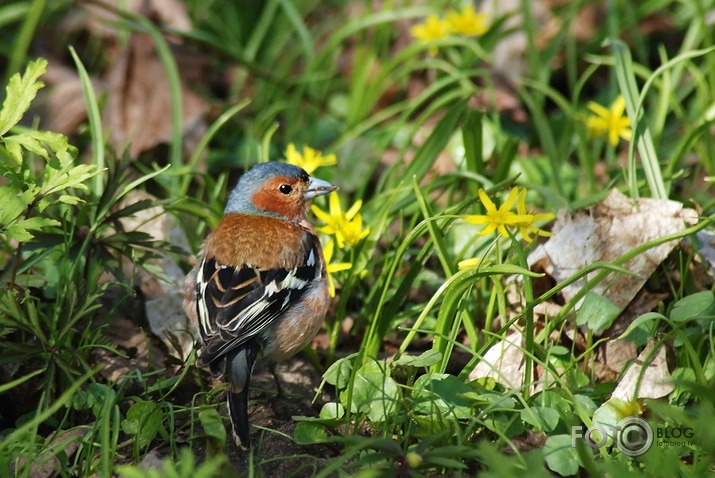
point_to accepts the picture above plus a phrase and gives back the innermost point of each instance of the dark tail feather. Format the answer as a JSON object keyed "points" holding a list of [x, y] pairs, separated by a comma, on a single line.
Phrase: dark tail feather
{"points": [[238, 412], [239, 369]]}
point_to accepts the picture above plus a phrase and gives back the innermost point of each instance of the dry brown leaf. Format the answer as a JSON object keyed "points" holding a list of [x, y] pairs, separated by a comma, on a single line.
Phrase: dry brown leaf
{"points": [[46, 464], [65, 107], [504, 362], [138, 113], [102, 21], [614, 355], [614, 227], [144, 351], [655, 382]]}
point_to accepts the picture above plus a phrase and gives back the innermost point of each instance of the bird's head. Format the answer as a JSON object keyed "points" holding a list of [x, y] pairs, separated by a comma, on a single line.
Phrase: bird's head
{"points": [[276, 189]]}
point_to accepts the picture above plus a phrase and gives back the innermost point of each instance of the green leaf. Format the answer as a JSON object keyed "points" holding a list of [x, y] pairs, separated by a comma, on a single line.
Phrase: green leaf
{"points": [[693, 306], [375, 393], [426, 359], [332, 411], [212, 422], [542, 419], [67, 199], [14, 202], [642, 328], [309, 433], [26, 140], [443, 393], [144, 421], [20, 92], [338, 374], [596, 311], [57, 180], [561, 455], [20, 231]]}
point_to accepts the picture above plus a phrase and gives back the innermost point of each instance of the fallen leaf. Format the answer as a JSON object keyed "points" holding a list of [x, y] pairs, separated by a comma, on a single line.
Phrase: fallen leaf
{"points": [[615, 226], [101, 21], [504, 362], [47, 464], [65, 108], [138, 113], [613, 355], [647, 377]]}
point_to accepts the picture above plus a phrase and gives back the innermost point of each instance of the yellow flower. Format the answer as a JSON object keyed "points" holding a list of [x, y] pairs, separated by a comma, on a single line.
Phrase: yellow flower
{"points": [[467, 22], [611, 121], [332, 268], [433, 28], [526, 227], [310, 160], [470, 263], [497, 219], [347, 226]]}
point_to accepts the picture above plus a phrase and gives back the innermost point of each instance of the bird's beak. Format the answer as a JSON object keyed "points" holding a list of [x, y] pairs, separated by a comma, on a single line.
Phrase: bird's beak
{"points": [[318, 187]]}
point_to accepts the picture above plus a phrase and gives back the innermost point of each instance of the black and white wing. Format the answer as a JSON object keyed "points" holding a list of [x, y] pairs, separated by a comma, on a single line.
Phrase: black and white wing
{"points": [[235, 304]]}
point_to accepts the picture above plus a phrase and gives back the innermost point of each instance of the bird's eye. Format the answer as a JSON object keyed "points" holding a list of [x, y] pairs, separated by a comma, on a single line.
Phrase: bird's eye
{"points": [[285, 189]]}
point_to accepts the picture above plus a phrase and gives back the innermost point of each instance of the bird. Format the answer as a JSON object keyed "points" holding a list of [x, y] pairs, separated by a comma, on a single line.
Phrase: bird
{"points": [[259, 290]]}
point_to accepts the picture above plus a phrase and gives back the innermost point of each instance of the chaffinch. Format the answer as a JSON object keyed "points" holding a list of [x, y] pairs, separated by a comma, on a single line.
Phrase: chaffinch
{"points": [[260, 288]]}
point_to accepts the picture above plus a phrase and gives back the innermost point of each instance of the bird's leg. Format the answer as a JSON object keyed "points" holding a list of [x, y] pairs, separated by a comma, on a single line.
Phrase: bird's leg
{"points": [[279, 387]]}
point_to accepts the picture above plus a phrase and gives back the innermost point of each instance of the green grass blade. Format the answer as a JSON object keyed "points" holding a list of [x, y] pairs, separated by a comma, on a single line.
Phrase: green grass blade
{"points": [[642, 138], [95, 124]]}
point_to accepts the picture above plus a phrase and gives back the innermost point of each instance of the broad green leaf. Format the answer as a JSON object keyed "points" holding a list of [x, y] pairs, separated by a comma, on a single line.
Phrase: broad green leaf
{"points": [[542, 419], [212, 422], [310, 433], [338, 374], [375, 393], [561, 455], [332, 410], [20, 92], [443, 393], [144, 421], [693, 306], [596, 311]]}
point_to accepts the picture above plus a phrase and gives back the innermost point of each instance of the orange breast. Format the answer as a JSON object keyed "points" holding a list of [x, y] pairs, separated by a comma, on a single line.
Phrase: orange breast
{"points": [[263, 242]]}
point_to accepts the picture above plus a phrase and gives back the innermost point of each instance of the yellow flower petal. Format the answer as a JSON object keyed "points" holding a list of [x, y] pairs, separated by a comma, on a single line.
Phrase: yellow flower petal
{"points": [[488, 204], [600, 110], [334, 203], [467, 22], [510, 199], [611, 121], [354, 209], [618, 107], [477, 219], [320, 214]]}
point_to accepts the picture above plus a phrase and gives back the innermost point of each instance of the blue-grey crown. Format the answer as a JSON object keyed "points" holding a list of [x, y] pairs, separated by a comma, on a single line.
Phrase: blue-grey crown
{"points": [[240, 198]]}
